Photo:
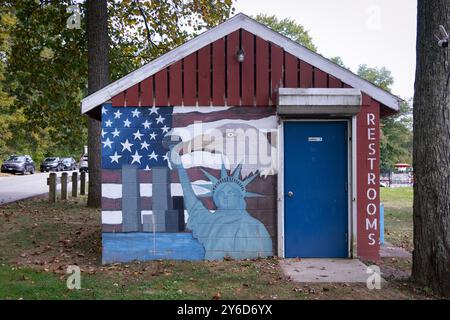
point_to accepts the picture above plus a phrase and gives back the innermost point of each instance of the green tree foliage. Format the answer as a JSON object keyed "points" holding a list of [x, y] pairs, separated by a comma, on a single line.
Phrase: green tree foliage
{"points": [[397, 138], [338, 60], [7, 114], [46, 73], [289, 28], [380, 77], [396, 131], [46, 66]]}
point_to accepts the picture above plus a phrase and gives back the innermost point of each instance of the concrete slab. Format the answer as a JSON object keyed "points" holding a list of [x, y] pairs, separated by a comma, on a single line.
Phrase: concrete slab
{"points": [[388, 250], [325, 270]]}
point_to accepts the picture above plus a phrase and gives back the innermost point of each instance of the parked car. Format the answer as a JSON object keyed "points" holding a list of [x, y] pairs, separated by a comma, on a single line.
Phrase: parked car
{"points": [[19, 164], [84, 163], [51, 164], [69, 163]]}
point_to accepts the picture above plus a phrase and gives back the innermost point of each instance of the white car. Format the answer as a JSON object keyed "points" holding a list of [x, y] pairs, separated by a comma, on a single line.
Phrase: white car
{"points": [[84, 163]]}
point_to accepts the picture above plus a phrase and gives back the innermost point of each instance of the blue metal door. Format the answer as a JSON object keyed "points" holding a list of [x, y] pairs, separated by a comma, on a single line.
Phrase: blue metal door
{"points": [[316, 189]]}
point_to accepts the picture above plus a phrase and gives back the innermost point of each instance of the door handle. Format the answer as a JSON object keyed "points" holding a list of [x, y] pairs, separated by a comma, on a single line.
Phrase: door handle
{"points": [[290, 194]]}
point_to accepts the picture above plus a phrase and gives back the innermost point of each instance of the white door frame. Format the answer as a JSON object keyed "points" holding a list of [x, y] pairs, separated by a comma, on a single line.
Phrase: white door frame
{"points": [[351, 147]]}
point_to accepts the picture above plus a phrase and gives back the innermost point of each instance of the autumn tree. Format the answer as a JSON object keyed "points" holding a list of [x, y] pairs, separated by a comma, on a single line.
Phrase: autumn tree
{"points": [[287, 27], [46, 72], [431, 256], [46, 69], [144, 30]]}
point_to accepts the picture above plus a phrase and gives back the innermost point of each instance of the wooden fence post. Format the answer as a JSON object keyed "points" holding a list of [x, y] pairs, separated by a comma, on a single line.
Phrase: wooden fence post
{"points": [[74, 184], [64, 186], [51, 181], [83, 183]]}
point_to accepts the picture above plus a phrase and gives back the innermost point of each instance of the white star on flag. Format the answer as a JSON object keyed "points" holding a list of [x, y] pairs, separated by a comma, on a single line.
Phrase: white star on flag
{"points": [[153, 136], [126, 123], [103, 133], [165, 129], [116, 133], [153, 155], [107, 143], [104, 110], [146, 124], [144, 145], [126, 145], [108, 123], [115, 157], [136, 158], [117, 114], [147, 168], [137, 135], [135, 113], [166, 157], [160, 119], [154, 110]]}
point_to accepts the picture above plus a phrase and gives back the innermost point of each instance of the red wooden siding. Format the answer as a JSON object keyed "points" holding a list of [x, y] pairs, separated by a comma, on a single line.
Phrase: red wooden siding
{"points": [[204, 76], [334, 82], [262, 72], [320, 79], [118, 100], [291, 71], [190, 80], [276, 70], [248, 69], [147, 92], [132, 96], [176, 84], [213, 76], [233, 67], [306, 75], [218, 70]]}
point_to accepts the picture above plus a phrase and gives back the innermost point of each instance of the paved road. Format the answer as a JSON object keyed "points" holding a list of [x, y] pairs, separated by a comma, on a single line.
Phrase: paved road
{"points": [[17, 187]]}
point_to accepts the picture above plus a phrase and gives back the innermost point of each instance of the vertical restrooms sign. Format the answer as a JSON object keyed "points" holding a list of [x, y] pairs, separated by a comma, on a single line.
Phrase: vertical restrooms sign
{"points": [[368, 198]]}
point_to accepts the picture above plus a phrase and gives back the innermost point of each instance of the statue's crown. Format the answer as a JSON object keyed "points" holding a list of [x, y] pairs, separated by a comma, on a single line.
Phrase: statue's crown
{"points": [[232, 178]]}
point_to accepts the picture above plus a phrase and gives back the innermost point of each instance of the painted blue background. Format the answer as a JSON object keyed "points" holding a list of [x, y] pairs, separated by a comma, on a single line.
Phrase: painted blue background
{"points": [[126, 247]]}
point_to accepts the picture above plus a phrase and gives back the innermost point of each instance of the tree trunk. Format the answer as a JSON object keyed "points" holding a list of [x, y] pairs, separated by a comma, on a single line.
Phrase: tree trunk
{"points": [[431, 257], [98, 72]]}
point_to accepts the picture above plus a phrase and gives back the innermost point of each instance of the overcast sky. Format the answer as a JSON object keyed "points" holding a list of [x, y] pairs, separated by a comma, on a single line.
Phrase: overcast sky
{"points": [[374, 32]]}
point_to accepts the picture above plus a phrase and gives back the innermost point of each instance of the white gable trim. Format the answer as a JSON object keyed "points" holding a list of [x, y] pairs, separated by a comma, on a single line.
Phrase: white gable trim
{"points": [[235, 23]]}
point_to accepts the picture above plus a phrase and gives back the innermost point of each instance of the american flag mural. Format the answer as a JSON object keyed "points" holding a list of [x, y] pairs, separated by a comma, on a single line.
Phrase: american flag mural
{"points": [[153, 209]]}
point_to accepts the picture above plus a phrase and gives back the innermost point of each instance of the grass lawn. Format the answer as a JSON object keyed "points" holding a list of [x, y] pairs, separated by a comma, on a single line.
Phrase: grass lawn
{"points": [[38, 240], [398, 203]]}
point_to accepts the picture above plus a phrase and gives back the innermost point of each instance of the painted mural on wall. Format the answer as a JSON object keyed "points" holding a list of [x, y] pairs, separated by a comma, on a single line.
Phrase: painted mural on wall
{"points": [[188, 183]]}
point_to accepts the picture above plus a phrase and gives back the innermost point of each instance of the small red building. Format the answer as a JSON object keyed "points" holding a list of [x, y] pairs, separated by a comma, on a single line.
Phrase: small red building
{"points": [[240, 143]]}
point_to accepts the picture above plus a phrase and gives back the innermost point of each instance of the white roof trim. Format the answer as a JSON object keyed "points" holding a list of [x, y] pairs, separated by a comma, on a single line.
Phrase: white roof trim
{"points": [[235, 23], [319, 97]]}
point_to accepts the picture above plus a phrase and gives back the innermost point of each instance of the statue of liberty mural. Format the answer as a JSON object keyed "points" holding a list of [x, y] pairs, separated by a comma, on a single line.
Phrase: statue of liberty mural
{"points": [[230, 231]]}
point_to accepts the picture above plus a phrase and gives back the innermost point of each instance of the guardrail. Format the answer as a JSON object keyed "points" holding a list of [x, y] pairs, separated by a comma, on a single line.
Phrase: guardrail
{"points": [[53, 180]]}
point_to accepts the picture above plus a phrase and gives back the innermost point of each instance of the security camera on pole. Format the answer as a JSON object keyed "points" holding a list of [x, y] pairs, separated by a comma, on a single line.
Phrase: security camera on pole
{"points": [[443, 38]]}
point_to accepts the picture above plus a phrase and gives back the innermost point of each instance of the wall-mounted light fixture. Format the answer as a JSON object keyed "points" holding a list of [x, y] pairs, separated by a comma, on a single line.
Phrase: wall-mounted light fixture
{"points": [[240, 55]]}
